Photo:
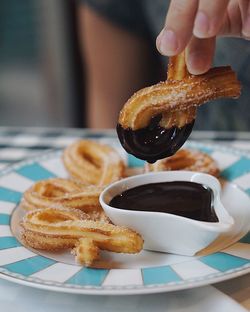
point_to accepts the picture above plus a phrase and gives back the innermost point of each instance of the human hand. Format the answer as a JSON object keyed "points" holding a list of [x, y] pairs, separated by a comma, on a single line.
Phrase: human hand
{"points": [[194, 25]]}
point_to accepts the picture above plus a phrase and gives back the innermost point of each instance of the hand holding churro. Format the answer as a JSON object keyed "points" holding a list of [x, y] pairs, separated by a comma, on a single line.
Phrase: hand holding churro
{"points": [[156, 121]]}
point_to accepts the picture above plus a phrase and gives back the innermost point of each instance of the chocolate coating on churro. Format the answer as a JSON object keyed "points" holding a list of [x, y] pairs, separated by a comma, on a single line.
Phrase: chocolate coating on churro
{"points": [[153, 142], [176, 101]]}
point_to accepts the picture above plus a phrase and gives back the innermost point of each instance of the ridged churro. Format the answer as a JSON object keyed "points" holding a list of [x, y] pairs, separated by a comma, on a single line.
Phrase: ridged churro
{"points": [[64, 193], [62, 228], [186, 159], [93, 163], [156, 121]]}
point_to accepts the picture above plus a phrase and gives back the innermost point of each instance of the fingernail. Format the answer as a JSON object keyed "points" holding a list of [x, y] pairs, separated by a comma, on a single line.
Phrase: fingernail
{"points": [[246, 28], [167, 42], [197, 64], [201, 25]]}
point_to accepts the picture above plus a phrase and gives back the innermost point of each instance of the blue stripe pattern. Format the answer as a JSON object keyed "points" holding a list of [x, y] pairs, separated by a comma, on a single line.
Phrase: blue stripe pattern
{"points": [[159, 275], [248, 191], [205, 149], [9, 195], [246, 239], [35, 172], [8, 242], [223, 262], [194, 146], [134, 162], [29, 266], [4, 219], [85, 276], [240, 167]]}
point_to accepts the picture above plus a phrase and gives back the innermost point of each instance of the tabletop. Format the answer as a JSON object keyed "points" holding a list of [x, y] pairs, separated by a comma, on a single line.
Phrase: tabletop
{"points": [[17, 144]]}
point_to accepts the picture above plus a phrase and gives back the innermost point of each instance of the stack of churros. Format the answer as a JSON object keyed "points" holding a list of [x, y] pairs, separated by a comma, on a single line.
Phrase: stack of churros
{"points": [[66, 213]]}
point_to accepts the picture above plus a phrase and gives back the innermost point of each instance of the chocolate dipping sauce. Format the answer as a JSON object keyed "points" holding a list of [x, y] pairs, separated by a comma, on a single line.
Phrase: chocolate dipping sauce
{"points": [[153, 142], [187, 199]]}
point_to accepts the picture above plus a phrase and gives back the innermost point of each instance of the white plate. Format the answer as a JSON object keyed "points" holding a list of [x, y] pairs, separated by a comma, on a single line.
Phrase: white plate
{"points": [[147, 272]]}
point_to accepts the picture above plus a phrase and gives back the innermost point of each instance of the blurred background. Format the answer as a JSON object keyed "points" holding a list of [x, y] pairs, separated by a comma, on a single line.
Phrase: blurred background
{"points": [[43, 63], [40, 65]]}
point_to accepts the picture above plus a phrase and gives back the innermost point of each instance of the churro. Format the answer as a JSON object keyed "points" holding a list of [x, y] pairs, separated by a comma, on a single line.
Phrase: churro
{"points": [[62, 228], [64, 193], [186, 159], [157, 120], [93, 163]]}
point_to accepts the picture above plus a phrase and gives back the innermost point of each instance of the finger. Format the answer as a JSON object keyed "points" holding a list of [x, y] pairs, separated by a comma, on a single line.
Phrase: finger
{"points": [[245, 13], [199, 55], [232, 23], [178, 28], [209, 18]]}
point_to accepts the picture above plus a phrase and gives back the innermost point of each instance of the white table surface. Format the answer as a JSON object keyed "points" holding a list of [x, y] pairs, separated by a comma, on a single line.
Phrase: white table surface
{"points": [[19, 298]]}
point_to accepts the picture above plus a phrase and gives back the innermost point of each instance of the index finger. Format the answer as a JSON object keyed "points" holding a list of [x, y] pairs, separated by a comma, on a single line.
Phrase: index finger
{"points": [[178, 27]]}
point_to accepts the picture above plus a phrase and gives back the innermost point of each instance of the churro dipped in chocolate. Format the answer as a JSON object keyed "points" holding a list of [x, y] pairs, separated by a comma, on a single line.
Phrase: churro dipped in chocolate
{"points": [[156, 121]]}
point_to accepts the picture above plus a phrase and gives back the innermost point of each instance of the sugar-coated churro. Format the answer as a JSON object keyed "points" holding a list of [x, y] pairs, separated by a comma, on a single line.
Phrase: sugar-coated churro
{"points": [[61, 193], [186, 159], [156, 121], [61, 228], [93, 163]]}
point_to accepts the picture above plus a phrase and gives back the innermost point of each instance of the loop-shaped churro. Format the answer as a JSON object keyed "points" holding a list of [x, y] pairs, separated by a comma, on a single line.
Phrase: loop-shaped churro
{"points": [[186, 159], [61, 193], [60, 228], [93, 162], [86, 251], [157, 120]]}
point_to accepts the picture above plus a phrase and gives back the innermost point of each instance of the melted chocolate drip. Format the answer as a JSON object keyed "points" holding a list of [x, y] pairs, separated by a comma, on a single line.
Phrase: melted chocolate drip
{"points": [[187, 199], [153, 142]]}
